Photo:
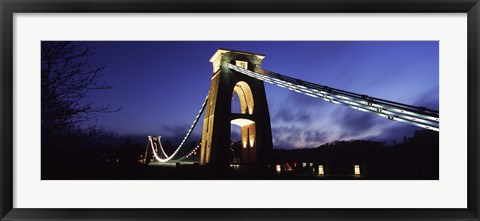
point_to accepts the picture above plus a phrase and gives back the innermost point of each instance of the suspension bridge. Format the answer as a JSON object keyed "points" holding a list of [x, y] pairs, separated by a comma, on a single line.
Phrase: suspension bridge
{"points": [[241, 73]]}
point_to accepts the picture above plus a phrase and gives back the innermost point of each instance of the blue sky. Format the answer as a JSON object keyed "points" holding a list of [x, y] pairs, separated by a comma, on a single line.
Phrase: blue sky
{"points": [[161, 85]]}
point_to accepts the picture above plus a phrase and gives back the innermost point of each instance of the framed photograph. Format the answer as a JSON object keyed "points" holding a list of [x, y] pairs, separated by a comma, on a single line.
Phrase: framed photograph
{"points": [[239, 110]]}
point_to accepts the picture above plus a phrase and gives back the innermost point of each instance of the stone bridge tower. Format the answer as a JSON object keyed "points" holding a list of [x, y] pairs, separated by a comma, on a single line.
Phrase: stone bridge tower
{"points": [[254, 118]]}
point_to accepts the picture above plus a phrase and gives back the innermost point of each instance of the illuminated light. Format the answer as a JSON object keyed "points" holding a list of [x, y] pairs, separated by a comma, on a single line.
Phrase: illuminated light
{"points": [[362, 109], [117, 160], [242, 122], [242, 64], [216, 59], [251, 135], [365, 105], [309, 91], [161, 148], [304, 164], [242, 89], [301, 86], [183, 141], [320, 170], [278, 168], [311, 164], [306, 91], [276, 80], [356, 170]]}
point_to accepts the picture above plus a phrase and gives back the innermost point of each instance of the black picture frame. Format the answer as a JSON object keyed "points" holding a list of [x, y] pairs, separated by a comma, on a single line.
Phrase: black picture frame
{"points": [[9, 7]]}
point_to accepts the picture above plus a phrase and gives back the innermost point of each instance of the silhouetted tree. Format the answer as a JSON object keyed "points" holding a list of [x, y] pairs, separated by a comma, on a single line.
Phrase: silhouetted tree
{"points": [[67, 119]]}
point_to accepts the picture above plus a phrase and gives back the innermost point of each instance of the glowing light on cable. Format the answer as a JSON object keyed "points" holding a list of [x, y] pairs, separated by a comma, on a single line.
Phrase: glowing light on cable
{"points": [[427, 119], [168, 158]]}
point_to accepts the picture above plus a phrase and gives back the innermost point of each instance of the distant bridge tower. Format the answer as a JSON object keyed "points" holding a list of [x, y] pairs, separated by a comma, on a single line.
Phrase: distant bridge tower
{"points": [[254, 118]]}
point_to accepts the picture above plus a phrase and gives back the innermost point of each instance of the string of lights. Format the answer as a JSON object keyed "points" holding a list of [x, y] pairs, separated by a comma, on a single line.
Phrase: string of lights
{"points": [[167, 158], [192, 152], [418, 116]]}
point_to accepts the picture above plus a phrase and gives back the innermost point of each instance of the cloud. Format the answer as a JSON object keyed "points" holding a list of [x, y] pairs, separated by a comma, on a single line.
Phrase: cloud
{"points": [[174, 130], [291, 137], [315, 136], [235, 133], [395, 133], [176, 133], [308, 122], [285, 114], [428, 99], [304, 101], [353, 123], [286, 137], [298, 108], [307, 126]]}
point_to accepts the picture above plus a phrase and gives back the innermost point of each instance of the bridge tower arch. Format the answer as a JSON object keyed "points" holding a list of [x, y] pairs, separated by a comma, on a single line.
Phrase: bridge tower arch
{"points": [[254, 117]]}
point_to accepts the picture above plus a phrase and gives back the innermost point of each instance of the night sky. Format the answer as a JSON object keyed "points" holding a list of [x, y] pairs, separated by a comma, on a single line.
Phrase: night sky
{"points": [[161, 86]]}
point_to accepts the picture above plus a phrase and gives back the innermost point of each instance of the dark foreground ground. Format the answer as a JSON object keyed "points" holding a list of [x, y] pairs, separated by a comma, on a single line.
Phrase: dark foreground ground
{"points": [[197, 172], [416, 158]]}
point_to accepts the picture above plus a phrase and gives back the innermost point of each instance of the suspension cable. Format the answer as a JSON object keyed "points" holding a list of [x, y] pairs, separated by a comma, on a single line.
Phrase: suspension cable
{"points": [[421, 117], [150, 138]]}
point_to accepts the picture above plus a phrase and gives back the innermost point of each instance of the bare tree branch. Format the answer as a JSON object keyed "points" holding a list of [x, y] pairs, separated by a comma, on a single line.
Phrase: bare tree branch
{"points": [[67, 77]]}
